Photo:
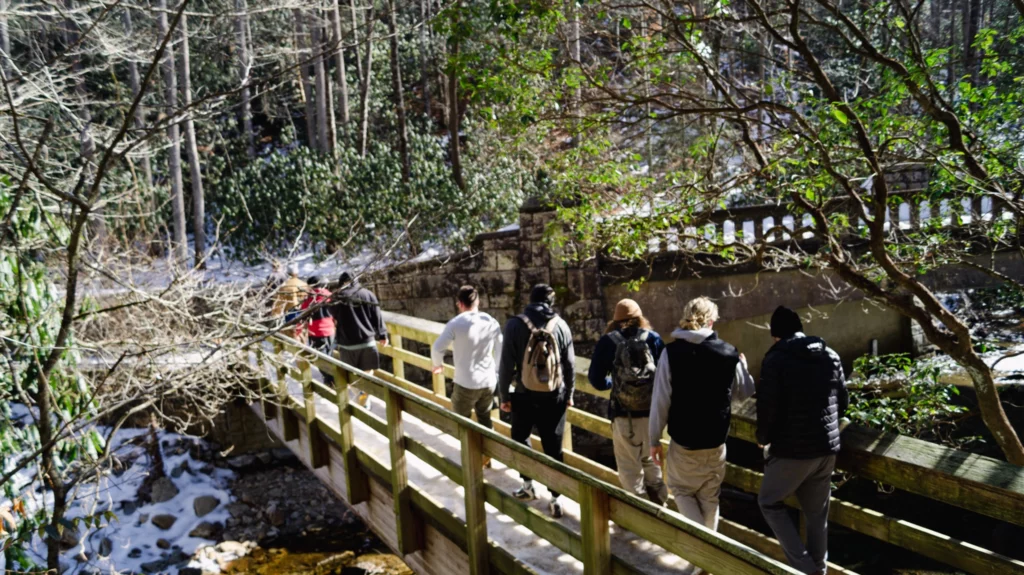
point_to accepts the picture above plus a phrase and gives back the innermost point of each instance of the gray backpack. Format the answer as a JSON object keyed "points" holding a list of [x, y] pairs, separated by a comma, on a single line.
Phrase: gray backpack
{"points": [[632, 371], [542, 362]]}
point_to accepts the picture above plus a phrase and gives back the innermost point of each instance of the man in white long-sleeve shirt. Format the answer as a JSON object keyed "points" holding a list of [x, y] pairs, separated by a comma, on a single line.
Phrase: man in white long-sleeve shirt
{"points": [[476, 340], [697, 379]]}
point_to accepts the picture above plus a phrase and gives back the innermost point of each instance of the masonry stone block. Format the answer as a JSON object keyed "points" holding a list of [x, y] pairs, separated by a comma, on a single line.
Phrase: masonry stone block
{"points": [[500, 302], [494, 283], [559, 277], [530, 277], [506, 260], [509, 243]]}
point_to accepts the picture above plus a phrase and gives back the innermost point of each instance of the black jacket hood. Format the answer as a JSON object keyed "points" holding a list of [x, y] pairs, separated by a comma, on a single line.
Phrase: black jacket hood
{"points": [[539, 313], [804, 346]]}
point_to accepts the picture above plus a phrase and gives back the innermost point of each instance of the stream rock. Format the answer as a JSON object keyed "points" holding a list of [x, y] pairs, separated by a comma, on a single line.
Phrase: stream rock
{"points": [[207, 530], [204, 504], [163, 490], [164, 521]]}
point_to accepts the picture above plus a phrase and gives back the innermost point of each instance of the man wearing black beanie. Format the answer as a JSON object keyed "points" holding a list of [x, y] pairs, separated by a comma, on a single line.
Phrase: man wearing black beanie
{"points": [[538, 357], [800, 400]]}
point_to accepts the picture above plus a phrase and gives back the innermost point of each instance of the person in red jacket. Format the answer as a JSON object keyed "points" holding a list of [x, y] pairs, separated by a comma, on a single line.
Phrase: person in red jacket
{"points": [[320, 322]]}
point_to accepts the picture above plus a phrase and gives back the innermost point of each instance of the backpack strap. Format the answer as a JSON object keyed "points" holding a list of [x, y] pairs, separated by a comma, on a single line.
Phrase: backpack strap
{"points": [[642, 335], [617, 337], [550, 326], [527, 321]]}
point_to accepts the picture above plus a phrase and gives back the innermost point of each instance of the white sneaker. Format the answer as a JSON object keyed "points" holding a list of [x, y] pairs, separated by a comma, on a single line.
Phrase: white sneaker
{"points": [[555, 507], [525, 493]]}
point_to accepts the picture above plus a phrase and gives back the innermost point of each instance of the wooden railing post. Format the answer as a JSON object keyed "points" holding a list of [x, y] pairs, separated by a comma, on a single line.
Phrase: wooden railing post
{"points": [[357, 484], [289, 422], [267, 388], [397, 365], [318, 454], [439, 389], [594, 531], [476, 515], [407, 526]]}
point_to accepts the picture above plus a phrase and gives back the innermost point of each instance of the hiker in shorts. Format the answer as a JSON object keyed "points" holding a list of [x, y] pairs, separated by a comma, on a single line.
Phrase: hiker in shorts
{"points": [[359, 326], [624, 360], [699, 377], [475, 338], [538, 356]]}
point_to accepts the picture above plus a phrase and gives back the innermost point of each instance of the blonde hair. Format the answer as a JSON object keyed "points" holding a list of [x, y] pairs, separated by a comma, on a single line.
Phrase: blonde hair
{"points": [[699, 313]]}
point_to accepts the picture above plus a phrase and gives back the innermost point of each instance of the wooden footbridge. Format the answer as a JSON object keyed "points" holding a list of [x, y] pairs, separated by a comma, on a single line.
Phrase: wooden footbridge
{"points": [[412, 470]]}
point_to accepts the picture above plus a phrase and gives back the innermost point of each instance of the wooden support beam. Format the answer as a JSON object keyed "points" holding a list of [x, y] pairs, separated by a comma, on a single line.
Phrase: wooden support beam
{"points": [[397, 365], [597, 544], [476, 514], [357, 484], [318, 455], [268, 389], [407, 525]]}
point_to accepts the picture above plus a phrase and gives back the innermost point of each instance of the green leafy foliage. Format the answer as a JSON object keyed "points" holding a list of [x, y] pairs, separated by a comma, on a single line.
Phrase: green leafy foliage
{"points": [[295, 195], [30, 310], [895, 393]]}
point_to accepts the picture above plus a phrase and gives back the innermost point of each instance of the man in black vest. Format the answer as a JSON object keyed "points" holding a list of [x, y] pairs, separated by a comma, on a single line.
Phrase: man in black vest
{"points": [[698, 378], [800, 400]]}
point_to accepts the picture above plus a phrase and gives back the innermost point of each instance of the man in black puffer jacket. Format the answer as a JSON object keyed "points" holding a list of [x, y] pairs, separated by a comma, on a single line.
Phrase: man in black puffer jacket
{"points": [[800, 400]]}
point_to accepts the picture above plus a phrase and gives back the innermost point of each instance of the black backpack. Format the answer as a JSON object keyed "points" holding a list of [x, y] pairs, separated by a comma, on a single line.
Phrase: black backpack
{"points": [[632, 371]]}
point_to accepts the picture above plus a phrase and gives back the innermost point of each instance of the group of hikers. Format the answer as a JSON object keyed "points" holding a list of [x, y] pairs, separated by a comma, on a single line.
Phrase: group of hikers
{"points": [[687, 386]]}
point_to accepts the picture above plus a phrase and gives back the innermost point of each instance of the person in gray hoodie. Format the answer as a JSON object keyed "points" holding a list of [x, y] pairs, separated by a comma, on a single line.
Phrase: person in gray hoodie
{"points": [[697, 380]]}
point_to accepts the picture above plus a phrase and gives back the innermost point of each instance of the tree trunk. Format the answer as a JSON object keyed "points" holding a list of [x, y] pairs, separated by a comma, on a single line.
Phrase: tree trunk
{"points": [[179, 242], [316, 46], [307, 82], [133, 80], [936, 16], [5, 42], [355, 38], [195, 174], [425, 60], [972, 23], [992, 412], [364, 95], [339, 62], [398, 91], [454, 118], [573, 39], [244, 62]]}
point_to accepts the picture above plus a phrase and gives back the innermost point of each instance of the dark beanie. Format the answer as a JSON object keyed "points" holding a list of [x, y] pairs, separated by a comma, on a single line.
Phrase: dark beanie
{"points": [[785, 322], [542, 293]]}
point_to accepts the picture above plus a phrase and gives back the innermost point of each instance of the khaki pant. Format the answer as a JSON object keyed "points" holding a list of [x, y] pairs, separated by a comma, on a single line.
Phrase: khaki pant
{"points": [[695, 480], [637, 471], [465, 401]]}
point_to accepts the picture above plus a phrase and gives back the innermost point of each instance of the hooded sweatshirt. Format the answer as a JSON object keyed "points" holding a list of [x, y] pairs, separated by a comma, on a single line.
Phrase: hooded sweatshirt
{"points": [[358, 320], [740, 388], [800, 398], [517, 335], [320, 321]]}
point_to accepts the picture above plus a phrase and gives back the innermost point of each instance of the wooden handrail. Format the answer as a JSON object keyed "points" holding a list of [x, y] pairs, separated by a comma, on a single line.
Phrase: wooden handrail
{"points": [[706, 549], [980, 484]]}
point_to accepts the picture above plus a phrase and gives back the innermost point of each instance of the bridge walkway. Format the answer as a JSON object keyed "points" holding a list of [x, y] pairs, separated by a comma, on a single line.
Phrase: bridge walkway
{"points": [[411, 425]]}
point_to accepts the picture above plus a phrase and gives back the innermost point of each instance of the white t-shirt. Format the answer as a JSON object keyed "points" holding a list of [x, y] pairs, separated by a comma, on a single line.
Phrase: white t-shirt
{"points": [[476, 340]]}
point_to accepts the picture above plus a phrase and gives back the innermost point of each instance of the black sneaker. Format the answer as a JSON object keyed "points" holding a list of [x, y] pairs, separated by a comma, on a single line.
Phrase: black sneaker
{"points": [[555, 507], [525, 493]]}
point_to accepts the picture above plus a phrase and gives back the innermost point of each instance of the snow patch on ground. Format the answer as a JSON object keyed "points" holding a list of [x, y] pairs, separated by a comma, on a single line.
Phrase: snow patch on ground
{"points": [[133, 542]]}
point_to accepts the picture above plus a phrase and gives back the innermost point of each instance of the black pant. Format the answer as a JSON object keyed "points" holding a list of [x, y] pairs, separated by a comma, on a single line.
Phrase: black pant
{"points": [[324, 345], [546, 412]]}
